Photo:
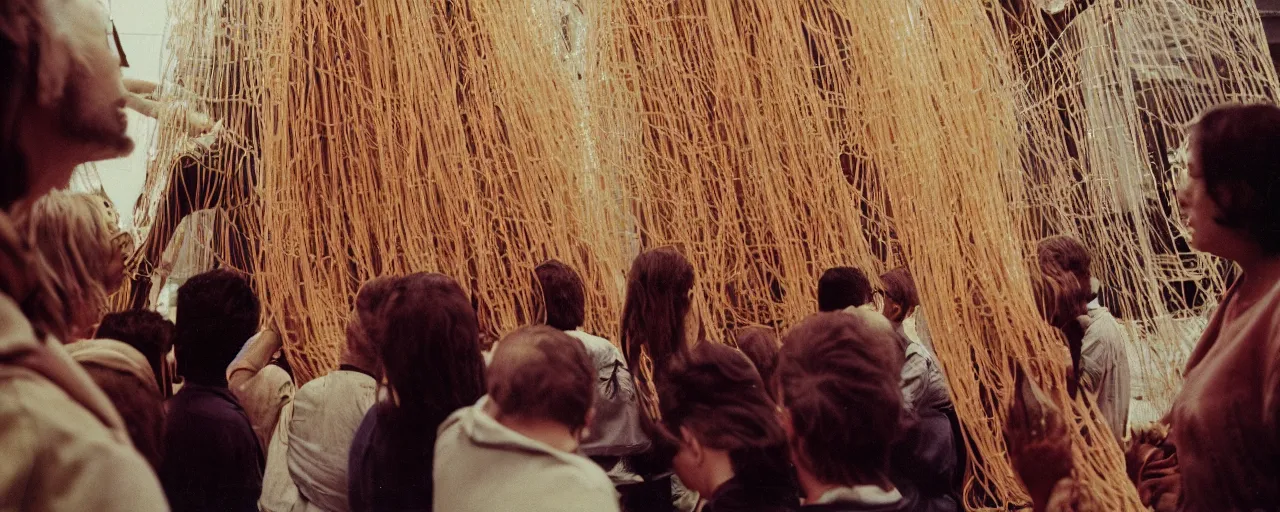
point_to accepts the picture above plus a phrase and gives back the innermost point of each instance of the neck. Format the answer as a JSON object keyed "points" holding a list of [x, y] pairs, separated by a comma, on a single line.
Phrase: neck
{"points": [[814, 488], [551, 433], [720, 469]]}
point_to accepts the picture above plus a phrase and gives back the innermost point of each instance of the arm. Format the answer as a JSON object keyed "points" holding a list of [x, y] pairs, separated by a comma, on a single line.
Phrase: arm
{"points": [[255, 356]]}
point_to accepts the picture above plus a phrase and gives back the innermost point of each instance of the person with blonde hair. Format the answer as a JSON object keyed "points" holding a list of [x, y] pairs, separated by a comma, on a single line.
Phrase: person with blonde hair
{"points": [[78, 238]]}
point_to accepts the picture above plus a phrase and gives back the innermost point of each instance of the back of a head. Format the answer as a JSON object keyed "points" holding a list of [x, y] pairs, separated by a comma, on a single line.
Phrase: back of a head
{"points": [[562, 297], [716, 393], [843, 287], [900, 288], [838, 378], [217, 313], [1065, 254], [145, 330], [539, 372], [427, 336], [760, 344], [658, 300], [76, 236]]}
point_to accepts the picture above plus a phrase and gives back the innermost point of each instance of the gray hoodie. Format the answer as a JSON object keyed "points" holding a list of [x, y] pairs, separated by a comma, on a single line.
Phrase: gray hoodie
{"points": [[483, 466]]}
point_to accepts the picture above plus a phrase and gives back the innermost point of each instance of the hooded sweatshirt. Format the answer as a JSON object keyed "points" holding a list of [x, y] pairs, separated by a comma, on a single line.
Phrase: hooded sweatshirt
{"points": [[64, 444], [483, 466]]}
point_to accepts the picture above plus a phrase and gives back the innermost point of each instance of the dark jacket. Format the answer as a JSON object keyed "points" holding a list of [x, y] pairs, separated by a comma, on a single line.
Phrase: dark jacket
{"points": [[739, 495], [925, 465], [901, 506], [212, 459], [390, 468]]}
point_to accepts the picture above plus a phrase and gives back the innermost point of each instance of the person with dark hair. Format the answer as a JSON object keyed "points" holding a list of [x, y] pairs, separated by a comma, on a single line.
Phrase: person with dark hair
{"points": [[843, 288], [761, 346], [655, 328], [1104, 360], [65, 446], [617, 433], [428, 343], [841, 406], [731, 449], [309, 453], [213, 460], [1224, 422], [518, 444], [149, 333]]}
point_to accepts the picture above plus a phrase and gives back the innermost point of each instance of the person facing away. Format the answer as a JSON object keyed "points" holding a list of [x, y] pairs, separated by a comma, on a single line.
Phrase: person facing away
{"points": [[761, 346], [923, 384], [841, 407], [1225, 421], [516, 448], [65, 447], [263, 386], [213, 460], [125, 376], [1104, 361], [149, 333], [842, 288], [310, 450], [617, 432], [656, 326], [730, 447], [428, 343]]}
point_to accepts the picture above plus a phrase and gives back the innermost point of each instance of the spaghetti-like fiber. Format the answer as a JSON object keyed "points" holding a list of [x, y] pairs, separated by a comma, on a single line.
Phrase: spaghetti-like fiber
{"points": [[767, 140]]}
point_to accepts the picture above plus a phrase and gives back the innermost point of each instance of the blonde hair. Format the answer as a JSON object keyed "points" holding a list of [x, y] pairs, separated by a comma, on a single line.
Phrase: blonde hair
{"points": [[77, 236]]}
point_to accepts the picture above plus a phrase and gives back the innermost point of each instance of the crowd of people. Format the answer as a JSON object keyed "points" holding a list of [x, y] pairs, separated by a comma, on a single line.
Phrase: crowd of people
{"points": [[848, 410]]}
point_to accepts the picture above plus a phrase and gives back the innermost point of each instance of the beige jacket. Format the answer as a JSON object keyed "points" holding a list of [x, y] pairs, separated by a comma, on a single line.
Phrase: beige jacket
{"points": [[64, 445], [483, 466]]}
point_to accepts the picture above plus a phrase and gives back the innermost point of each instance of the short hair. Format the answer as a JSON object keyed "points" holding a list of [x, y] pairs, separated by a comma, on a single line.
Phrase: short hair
{"points": [[843, 287], [900, 288], [1239, 155], [838, 376], [140, 406], [77, 237], [760, 345], [217, 313], [562, 297], [717, 394], [147, 331], [541, 372]]}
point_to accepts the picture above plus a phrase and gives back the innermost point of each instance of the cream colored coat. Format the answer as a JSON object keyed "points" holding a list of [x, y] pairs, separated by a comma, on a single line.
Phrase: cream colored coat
{"points": [[64, 445]]}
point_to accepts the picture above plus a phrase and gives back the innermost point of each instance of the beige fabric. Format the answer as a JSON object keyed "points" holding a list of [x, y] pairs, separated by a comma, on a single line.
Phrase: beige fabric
{"points": [[483, 466], [278, 492], [58, 455], [115, 355], [263, 389]]}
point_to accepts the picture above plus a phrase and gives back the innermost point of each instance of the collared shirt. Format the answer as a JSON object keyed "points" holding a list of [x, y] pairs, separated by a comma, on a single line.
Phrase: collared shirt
{"points": [[212, 460], [1104, 368]]}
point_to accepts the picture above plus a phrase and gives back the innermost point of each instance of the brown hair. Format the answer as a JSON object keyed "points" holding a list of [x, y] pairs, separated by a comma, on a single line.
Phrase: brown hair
{"points": [[843, 287], [145, 330], [1065, 254], [76, 235], [562, 295], [541, 372], [653, 316], [1239, 150], [717, 393], [21, 32], [760, 345], [838, 377], [140, 406], [900, 288]]}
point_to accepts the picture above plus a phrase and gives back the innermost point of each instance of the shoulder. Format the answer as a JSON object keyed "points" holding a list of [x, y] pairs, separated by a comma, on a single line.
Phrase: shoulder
{"points": [[64, 446], [581, 481]]}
